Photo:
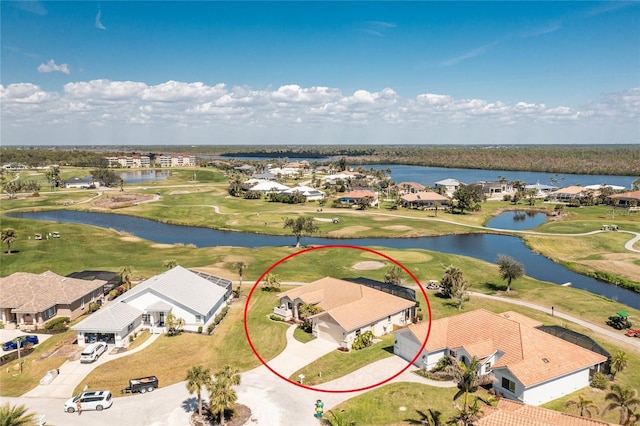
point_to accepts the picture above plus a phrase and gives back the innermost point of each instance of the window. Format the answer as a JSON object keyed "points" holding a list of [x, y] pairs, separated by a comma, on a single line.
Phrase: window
{"points": [[198, 318], [357, 332], [82, 303], [508, 384], [146, 317], [130, 327]]}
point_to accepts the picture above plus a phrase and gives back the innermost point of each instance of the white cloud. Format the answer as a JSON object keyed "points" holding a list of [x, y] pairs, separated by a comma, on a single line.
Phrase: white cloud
{"points": [[99, 21], [315, 111], [51, 66]]}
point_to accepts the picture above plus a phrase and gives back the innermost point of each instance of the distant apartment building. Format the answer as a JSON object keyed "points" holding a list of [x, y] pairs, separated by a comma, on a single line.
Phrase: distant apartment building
{"points": [[129, 162], [176, 160]]}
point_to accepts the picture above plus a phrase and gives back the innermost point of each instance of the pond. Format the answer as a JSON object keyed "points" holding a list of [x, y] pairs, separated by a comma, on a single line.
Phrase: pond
{"points": [[517, 220], [481, 246], [137, 176]]}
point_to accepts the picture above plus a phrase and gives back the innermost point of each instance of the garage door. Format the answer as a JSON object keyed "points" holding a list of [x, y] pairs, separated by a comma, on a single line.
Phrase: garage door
{"points": [[328, 333]]}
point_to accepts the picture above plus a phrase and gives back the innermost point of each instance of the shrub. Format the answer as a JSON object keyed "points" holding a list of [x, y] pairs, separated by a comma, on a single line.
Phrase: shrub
{"points": [[364, 340], [599, 380], [275, 317], [57, 324], [93, 306], [199, 329], [113, 294]]}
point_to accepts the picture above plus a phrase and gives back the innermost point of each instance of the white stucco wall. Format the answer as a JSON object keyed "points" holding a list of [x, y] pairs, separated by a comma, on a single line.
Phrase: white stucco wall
{"points": [[407, 346], [548, 391]]}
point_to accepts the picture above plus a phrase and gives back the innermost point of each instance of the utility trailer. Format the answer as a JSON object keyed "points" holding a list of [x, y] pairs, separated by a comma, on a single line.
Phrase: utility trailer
{"points": [[141, 385]]}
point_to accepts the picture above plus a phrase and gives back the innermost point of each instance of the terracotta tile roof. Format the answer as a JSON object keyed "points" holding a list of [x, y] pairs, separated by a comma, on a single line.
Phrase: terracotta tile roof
{"points": [[511, 413], [414, 185], [632, 194], [23, 292], [350, 305], [517, 317], [532, 355]]}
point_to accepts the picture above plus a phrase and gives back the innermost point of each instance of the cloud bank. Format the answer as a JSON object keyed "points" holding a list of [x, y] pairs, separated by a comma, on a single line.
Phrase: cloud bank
{"points": [[180, 112]]}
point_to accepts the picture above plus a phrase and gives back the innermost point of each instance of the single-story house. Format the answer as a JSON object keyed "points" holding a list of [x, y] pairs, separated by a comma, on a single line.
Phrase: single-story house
{"points": [[410, 188], [541, 189], [193, 296], [311, 194], [508, 412], [427, 199], [348, 309], [76, 182], [351, 198], [264, 176], [529, 365], [28, 300], [626, 199], [569, 193], [245, 168], [267, 187], [449, 186], [344, 176]]}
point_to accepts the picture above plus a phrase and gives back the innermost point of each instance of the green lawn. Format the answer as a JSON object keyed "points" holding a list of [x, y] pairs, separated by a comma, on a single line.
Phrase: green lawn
{"points": [[337, 364]]}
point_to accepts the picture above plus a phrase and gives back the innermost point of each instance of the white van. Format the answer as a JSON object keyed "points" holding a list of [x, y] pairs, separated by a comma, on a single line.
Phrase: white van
{"points": [[95, 400], [93, 352]]}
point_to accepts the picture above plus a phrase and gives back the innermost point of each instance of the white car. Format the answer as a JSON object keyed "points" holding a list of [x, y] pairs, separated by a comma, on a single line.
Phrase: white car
{"points": [[94, 400], [92, 352]]}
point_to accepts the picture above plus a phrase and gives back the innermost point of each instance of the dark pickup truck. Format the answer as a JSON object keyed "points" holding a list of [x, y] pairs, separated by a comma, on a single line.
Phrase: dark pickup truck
{"points": [[142, 385]]}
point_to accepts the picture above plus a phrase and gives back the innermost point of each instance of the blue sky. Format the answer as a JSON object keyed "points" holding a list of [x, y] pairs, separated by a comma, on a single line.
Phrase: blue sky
{"points": [[319, 72]]}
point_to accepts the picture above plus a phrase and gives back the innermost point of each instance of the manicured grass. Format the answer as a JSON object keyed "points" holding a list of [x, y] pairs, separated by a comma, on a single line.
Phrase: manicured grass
{"points": [[400, 403], [169, 358], [36, 365], [337, 364], [302, 336]]}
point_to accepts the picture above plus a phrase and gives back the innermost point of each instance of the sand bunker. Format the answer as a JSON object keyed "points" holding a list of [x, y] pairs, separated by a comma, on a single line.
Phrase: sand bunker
{"points": [[348, 231], [368, 265], [397, 228]]}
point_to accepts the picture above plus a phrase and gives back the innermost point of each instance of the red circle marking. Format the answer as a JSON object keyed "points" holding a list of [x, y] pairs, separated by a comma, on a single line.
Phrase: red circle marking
{"points": [[284, 259]]}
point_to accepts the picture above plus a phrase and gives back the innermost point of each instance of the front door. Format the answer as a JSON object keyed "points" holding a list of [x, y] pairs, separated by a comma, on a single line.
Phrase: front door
{"points": [[161, 319]]}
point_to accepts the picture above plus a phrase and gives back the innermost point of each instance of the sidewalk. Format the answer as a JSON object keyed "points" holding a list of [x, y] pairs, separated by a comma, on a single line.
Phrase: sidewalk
{"points": [[73, 372]]}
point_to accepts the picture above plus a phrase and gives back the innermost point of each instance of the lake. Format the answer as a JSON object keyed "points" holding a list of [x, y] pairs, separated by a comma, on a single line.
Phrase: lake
{"points": [[481, 246], [137, 176]]}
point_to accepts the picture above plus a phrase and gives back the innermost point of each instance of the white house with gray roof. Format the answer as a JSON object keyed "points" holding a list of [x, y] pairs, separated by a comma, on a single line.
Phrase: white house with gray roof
{"points": [[193, 296]]}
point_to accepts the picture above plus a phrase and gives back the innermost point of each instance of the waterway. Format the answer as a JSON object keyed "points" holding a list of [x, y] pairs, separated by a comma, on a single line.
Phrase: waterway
{"points": [[481, 246], [517, 220]]}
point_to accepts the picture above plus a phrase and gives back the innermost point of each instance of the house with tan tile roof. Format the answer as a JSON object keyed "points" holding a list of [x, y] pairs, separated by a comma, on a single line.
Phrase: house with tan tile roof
{"points": [[626, 199], [529, 364], [570, 193], [510, 413], [29, 300], [426, 199], [348, 309], [410, 188]]}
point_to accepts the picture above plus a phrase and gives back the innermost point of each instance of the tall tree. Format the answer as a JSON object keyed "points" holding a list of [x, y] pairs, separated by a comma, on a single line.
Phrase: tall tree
{"points": [[460, 291], [126, 273], [510, 269], [466, 416], [221, 394], [394, 276], [623, 399], [301, 226], [9, 236], [197, 377], [618, 362], [585, 406], [271, 282], [240, 266], [452, 275], [16, 415]]}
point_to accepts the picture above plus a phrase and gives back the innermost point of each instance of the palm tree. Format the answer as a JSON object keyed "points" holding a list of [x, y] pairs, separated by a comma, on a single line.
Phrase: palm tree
{"points": [[8, 237], [466, 377], [240, 266], [625, 399], [126, 272], [466, 416], [16, 415], [221, 396], [618, 362], [584, 406], [510, 269], [452, 275], [229, 373], [198, 376]]}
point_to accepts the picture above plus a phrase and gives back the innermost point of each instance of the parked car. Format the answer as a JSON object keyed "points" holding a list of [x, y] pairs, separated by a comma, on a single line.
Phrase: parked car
{"points": [[142, 385], [13, 344], [92, 352], [94, 400]]}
